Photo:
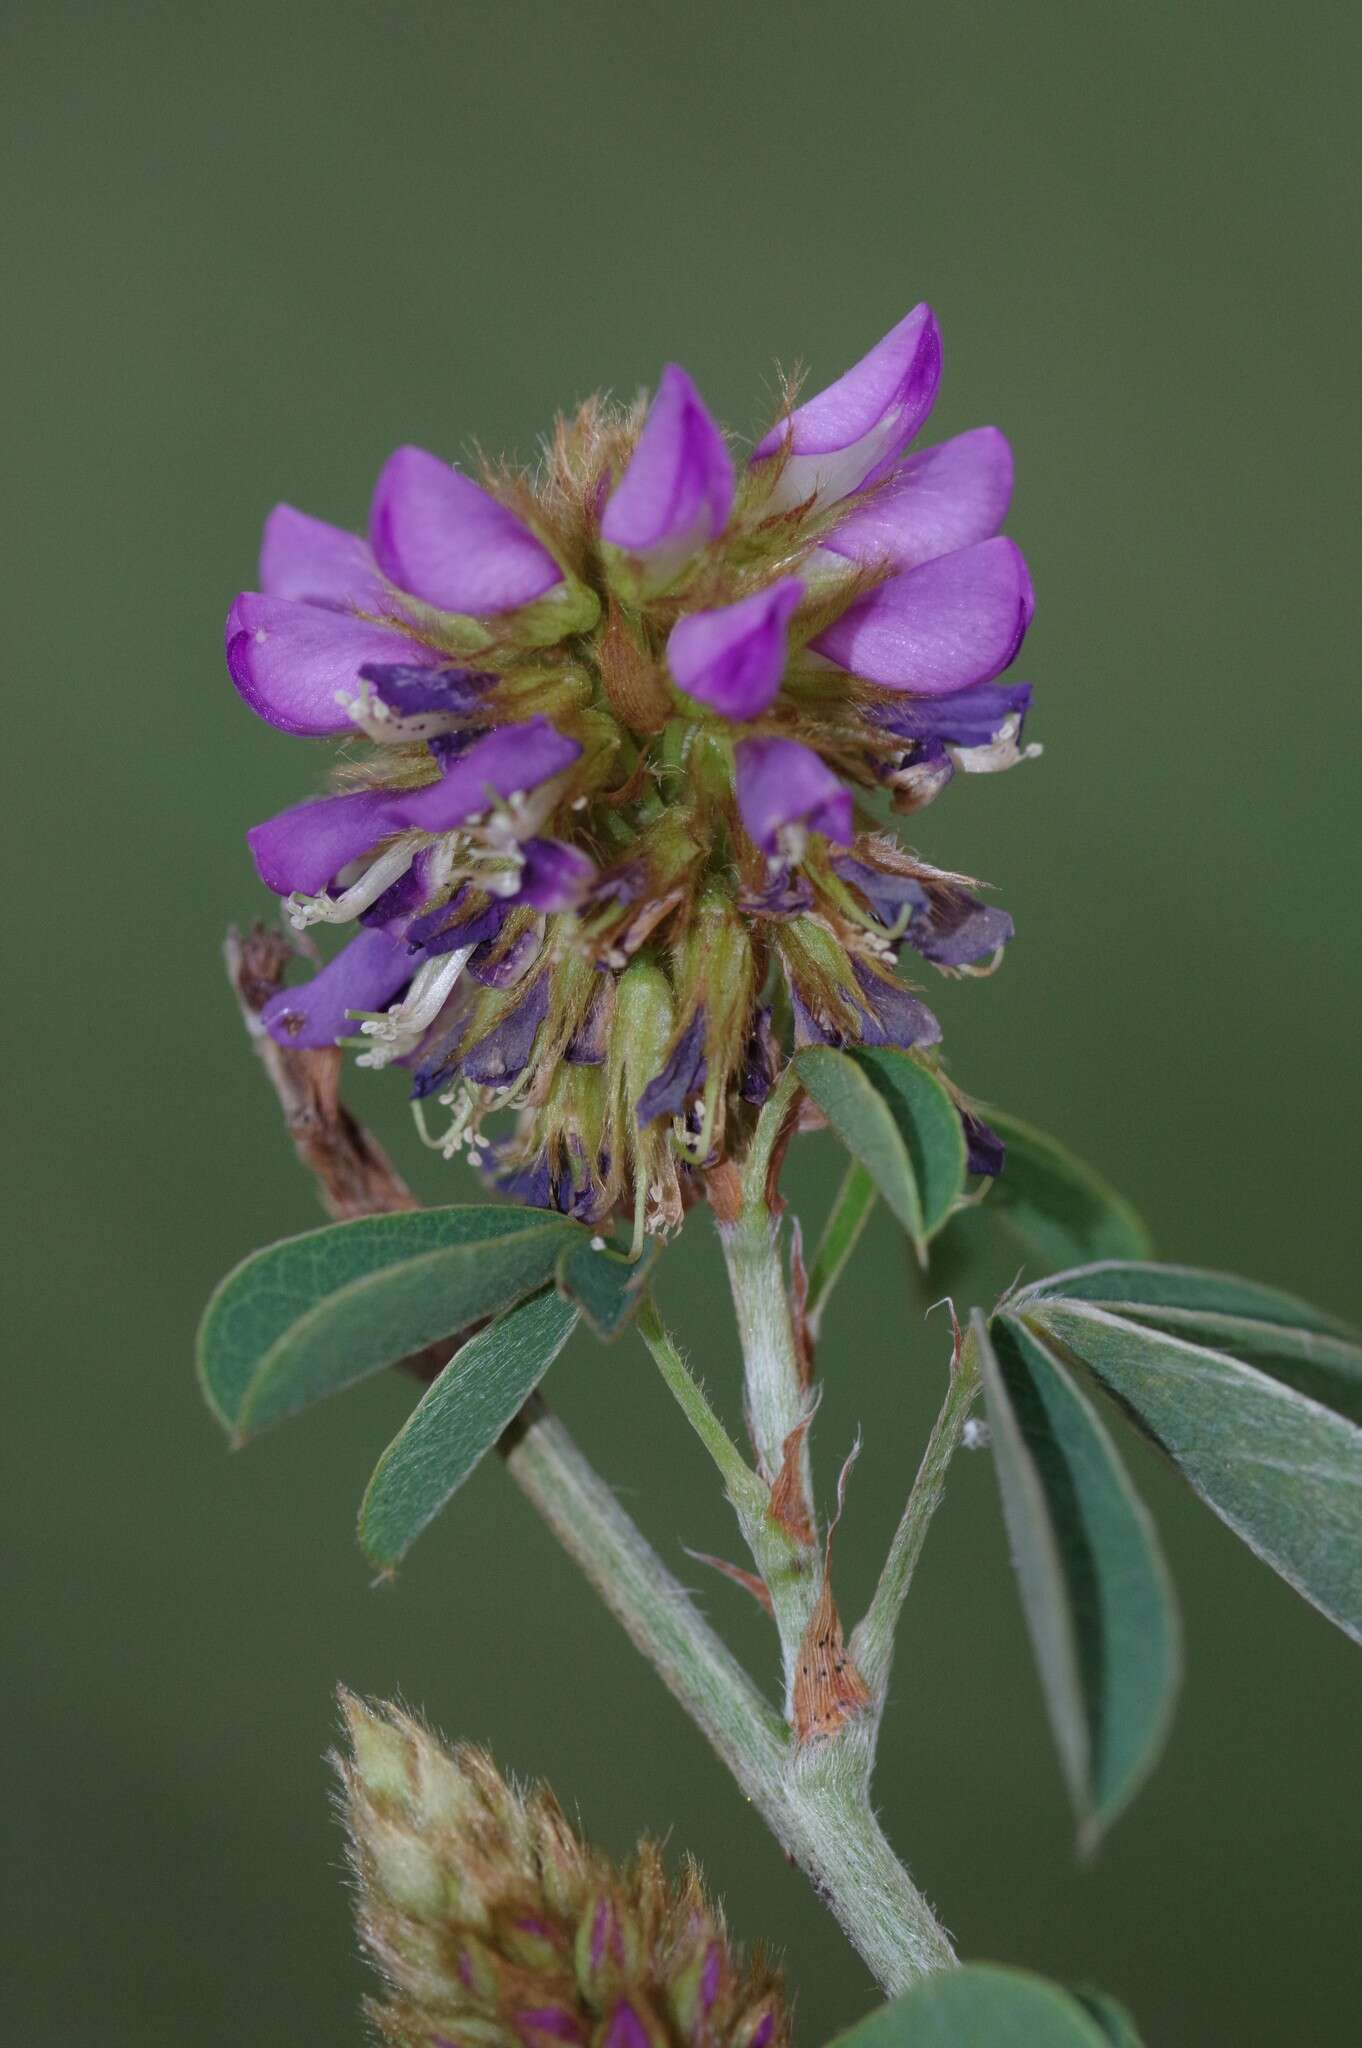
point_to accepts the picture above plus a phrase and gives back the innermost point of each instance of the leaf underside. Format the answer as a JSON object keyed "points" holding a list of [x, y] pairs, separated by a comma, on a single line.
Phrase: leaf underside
{"points": [[458, 1420], [896, 1118], [1095, 1590]]}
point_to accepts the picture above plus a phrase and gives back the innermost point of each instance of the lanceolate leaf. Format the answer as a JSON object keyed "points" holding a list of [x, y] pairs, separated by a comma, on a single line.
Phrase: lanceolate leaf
{"points": [[1096, 1594], [306, 1317], [1284, 1472], [896, 1118], [1311, 1351], [979, 2006], [1057, 1203], [458, 1420]]}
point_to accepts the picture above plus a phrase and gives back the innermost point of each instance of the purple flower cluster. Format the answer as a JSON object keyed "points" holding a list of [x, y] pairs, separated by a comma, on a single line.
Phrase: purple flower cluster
{"points": [[637, 719]]}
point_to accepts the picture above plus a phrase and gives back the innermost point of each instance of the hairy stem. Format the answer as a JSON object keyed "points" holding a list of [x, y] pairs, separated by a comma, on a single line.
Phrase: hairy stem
{"points": [[872, 1641], [741, 1484], [815, 1803]]}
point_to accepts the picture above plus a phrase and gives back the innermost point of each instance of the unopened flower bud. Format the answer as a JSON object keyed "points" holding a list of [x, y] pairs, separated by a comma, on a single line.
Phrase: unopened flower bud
{"points": [[492, 1921]]}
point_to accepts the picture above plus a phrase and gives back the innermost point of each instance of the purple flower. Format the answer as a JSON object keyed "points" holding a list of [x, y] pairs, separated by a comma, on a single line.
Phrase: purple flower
{"points": [[365, 975], [677, 492], [781, 785], [502, 1054], [411, 689], [734, 658], [682, 1076], [938, 501], [975, 717], [948, 926], [626, 2030], [312, 563], [508, 762], [851, 433], [304, 848], [440, 536], [554, 876], [295, 663], [986, 1152], [934, 630]]}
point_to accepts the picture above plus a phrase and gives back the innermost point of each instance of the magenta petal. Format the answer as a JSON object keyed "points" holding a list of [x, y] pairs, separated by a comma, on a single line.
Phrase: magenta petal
{"points": [[313, 563], [952, 622], [440, 536], [734, 658], [365, 975], [504, 763], [783, 783], [938, 501], [852, 432], [677, 491], [292, 661], [305, 848]]}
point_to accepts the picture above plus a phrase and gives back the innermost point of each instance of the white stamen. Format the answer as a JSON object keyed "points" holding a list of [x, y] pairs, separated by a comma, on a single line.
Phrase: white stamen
{"points": [[1001, 752], [380, 723], [381, 873], [399, 1029]]}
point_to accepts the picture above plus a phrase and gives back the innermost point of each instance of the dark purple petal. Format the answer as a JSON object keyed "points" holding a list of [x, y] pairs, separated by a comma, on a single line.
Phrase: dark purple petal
{"points": [[851, 433], [469, 918], [501, 1055], [591, 1040], [498, 963], [440, 536], [891, 1015], [761, 1060], [788, 893], [677, 492], [305, 847], [920, 776], [405, 896], [305, 559], [682, 1075], [554, 877], [948, 926], [292, 662], [502, 764], [964, 718], [734, 658], [530, 1182], [937, 629], [938, 501], [366, 975], [954, 929], [410, 689], [782, 783], [985, 1150]]}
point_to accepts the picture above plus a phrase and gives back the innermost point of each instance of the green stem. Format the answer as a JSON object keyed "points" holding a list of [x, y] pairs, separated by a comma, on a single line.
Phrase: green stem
{"points": [[741, 1483], [855, 1200], [816, 1802], [872, 1641]]}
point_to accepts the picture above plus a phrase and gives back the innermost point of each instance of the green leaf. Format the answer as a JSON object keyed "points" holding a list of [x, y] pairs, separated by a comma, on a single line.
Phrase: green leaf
{"points": [[301, 1319], [1118, 2028], [1059, 1204], [897, 1119], [605, 1285], [1094, 1586], [457, 1421], [1284, 1472], [851, 1206], [1313, 1352], [981, 2005]]}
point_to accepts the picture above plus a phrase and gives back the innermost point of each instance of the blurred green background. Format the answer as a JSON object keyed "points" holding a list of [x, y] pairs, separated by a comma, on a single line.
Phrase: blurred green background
{"points": [[251, 247]]}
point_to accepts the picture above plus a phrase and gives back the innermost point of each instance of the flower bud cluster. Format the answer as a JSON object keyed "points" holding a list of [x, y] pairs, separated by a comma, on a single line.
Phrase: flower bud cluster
{"points": [[494, 1923], [634, 727]]}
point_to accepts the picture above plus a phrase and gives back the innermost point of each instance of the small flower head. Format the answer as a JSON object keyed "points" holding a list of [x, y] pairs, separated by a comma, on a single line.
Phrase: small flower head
{"points": [[626, 737], [492, 1921]]}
